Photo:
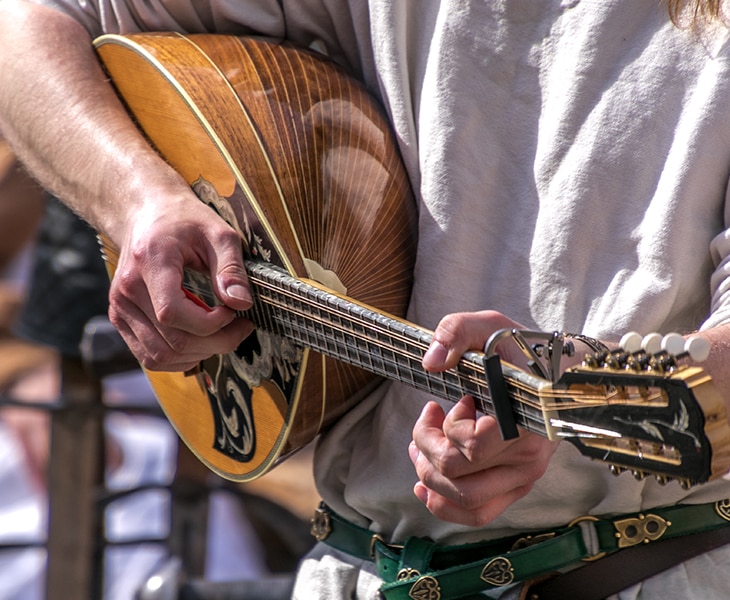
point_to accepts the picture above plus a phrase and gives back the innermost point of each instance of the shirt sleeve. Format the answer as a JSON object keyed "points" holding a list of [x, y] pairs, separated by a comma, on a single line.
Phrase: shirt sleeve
{"points": [[327, 25], [720, 281], [184, 16]]}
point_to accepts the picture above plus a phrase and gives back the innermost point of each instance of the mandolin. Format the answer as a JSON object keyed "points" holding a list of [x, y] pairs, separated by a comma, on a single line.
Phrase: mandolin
{"points": [[296, 156]]}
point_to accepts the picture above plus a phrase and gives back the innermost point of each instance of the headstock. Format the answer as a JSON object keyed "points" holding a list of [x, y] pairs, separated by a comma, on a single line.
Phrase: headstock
{"points": [[644, 408]]}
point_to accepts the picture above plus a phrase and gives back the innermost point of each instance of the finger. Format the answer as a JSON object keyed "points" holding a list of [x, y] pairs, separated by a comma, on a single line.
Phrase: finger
{"points": [[458, 443], [428, 434], [483, 492], [477, 438], [432, 453], [459, 332], [161, 348], [230, 280], [151, 267], [161, 358], [479, 487], [162, 299]]}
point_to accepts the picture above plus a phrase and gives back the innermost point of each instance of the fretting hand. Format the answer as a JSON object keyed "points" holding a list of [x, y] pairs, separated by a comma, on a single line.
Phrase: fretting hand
{"points": [[467, 473]]}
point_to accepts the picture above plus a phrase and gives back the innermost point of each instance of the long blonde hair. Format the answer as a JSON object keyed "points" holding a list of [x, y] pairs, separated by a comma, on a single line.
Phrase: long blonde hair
{"points": [[710, 9]]}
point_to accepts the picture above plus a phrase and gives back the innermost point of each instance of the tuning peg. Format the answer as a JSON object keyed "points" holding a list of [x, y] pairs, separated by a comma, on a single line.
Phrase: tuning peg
{"points": [[631, 342], [698, 348], [638, 475], [652, 343], [615, 470], [673, 344]]}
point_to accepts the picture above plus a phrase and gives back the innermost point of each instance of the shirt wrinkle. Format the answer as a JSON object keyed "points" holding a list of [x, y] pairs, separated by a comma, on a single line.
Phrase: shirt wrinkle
{"points": [[570, 162]]}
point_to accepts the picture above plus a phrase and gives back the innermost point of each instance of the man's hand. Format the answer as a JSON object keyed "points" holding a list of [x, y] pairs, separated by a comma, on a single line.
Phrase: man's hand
{"points": [[163, 327], [467, 473], [76, 137]]}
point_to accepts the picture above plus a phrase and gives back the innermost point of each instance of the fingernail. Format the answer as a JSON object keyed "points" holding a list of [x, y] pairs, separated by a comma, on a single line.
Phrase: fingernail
{"points": [[413, 452], [421, 492], [436, 354], [238, 291]]}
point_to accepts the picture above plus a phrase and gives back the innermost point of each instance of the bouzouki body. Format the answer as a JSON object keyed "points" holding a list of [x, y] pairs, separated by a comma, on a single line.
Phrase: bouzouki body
{"points": [[295, 155]]}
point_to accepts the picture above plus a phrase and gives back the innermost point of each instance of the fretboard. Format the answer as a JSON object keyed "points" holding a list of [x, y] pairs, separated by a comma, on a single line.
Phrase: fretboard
{"points": [[386, 346]]}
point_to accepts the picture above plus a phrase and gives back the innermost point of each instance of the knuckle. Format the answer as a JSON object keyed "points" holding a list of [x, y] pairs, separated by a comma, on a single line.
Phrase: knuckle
{"points": [[165, 313], [448, 463], [158, 358], [177, 342], [451, 328], [524, 490], [482, 517], [148, 363], [227, 235], [471, 449], [124, 281], [116, 320], [469, 500], [427, 477], [534, 471]]}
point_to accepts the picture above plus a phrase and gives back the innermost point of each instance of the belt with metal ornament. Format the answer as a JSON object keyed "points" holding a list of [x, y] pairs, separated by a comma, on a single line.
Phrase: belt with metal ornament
{"points": [[421, 568]]}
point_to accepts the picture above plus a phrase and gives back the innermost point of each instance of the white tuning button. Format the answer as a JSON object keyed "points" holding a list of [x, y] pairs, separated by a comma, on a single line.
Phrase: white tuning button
{"points": [[652, 343], [673, 344], [698, 348], [630, 342]]}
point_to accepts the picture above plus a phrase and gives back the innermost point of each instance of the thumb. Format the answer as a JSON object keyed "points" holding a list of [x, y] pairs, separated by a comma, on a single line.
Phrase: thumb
{"points": [[229, 276]]}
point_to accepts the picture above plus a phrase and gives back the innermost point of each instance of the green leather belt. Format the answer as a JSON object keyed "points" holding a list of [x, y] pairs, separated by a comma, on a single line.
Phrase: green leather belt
{"points": [[420, 568]]}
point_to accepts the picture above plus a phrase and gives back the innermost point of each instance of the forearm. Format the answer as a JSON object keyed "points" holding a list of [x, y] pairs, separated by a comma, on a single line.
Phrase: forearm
{"points": [[70, 130], [718, 362]]}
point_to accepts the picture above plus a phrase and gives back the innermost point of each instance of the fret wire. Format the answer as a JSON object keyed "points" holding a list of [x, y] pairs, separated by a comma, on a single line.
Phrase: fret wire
{"points": [[476, 378], [418, 345], [355, 335], [526, 408], [286, 291], [447, 391], [352, 333], [303, 334], [418, 378], [380, 322], [261, 316], [379, 361], [388, 365]]}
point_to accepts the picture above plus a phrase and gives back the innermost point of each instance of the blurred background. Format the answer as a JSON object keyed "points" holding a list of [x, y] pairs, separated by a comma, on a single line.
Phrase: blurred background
{"points": [[98, 499]]}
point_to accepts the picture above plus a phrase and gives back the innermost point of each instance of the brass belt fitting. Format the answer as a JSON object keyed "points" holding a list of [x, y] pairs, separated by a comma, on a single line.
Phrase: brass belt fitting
{"points": [[640, 530]]}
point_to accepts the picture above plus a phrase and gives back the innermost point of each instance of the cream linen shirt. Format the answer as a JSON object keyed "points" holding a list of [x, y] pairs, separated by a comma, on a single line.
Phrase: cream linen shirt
{"points": [[570, 160]]}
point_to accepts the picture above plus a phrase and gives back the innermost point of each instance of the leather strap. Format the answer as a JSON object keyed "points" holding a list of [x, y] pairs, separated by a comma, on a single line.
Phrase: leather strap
{"points": [[616, 572], [420, 566]]}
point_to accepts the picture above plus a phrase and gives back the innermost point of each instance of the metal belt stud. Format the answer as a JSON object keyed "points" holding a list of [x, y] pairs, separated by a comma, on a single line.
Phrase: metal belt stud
{"points": [[321, 525], [425, 588], [406, 573], [640, 530], [722, 508], [498, 572]]}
